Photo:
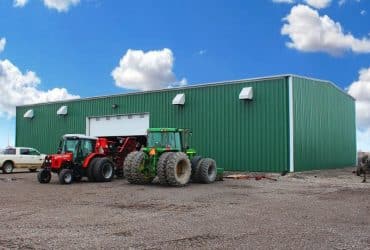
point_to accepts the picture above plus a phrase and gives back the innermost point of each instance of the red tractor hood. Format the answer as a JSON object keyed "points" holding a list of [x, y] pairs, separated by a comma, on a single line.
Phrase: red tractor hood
{"points": [[57, 160]]}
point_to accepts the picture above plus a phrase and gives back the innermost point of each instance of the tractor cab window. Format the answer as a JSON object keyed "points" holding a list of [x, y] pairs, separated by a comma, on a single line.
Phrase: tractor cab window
{"points": [[164, 140], [87, 147], [69, 146]]}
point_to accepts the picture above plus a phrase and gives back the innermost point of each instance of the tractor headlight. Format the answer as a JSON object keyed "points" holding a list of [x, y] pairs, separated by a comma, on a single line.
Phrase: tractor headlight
{"points": [[152, 152]]}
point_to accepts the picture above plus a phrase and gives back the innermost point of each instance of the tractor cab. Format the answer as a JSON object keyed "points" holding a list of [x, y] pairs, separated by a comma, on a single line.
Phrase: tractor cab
{"points": [[78, 146], [168, 139]]}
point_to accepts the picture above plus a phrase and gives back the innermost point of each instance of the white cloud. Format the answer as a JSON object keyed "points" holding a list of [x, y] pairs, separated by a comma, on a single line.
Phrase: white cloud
{"points": [[60, 5], [17, 88], [2, 44], [318, 4], [363, 12], [360, 90], [283, 1], [310, 32], [20, 3], [146, 70]]}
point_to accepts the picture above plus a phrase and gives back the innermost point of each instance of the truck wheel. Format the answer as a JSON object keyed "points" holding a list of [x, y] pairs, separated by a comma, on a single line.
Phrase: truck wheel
{"points": [[161, 167], [90, 169], [137, 168], [103, 170], [44, 176], [8, 167], [65, 176], [194, 168], [207, 171], [127, 165], [178, 169]]}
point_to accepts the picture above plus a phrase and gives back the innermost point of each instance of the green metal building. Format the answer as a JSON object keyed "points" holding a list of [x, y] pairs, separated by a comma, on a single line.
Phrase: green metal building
{"points": [[272, 124]]}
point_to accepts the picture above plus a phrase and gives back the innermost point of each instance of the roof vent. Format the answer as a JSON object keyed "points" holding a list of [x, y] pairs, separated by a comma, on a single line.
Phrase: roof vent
{"points": [[246, 93], [62, 110], [179, 99], [29, 114]]}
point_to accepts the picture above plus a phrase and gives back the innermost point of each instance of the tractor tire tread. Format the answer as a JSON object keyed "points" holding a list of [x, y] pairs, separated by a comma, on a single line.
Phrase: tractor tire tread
{"points": [[161, 168], [207, 171], [171, 169], [138, 177]]}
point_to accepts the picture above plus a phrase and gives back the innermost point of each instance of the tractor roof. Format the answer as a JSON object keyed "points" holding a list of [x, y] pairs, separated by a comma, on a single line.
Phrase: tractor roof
{"points": [[79, 136], [165, 130]]}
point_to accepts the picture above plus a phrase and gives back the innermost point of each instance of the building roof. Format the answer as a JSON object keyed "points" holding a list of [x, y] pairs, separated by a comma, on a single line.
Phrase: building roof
{"points": [[200, 85]]}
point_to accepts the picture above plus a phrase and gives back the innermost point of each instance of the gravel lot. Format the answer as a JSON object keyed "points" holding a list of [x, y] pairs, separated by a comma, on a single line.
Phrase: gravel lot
{"points": [[315, 210]]}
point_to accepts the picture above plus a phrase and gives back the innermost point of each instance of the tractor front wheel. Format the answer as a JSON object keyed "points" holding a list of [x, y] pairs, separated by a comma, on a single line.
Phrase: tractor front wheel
{"points": [[178, 169], [137, 169], [44, 176], [127, 166], [65, 176], [103, 170]]}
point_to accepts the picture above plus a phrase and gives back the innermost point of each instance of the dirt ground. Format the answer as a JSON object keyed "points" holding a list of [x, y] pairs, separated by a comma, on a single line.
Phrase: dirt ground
{"points": [[315, 210]]}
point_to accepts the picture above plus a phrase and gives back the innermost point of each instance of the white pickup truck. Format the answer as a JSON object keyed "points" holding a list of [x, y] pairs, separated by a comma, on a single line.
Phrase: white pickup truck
{"points": [[20, 157]]}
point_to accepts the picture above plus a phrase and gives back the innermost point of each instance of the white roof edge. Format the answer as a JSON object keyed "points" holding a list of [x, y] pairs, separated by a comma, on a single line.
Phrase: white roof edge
{"points": [[199, 85], [81, 136]]}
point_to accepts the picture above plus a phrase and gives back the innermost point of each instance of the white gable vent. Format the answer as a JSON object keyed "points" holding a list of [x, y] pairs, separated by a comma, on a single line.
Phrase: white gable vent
{"points": [[246, 93], [29, 114], [62, 110], [179, 99]]}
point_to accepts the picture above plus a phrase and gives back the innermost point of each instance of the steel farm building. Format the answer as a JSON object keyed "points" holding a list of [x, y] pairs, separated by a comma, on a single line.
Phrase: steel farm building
{"points": [[271, 124]]}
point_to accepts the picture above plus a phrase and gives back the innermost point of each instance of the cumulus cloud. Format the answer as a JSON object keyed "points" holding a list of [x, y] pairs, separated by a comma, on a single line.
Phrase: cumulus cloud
{"points": [[360, 90], [318, 4], [2, 44], [17, 88], [60, 5], [150, 70], [310, 32], [20, 3], [283, 1]]}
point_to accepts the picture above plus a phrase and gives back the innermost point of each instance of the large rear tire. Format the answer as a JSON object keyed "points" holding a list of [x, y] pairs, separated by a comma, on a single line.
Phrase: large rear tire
{"points": [[66, 176], [178, 169], [90, 170], [161, 167], [137, 167], [44, 176], [127, 166], [103, 170], [194, 167], [207, 171]]}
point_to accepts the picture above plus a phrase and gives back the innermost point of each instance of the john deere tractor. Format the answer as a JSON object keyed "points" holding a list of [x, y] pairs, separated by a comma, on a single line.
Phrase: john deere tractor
{"points": [[168, 156]]}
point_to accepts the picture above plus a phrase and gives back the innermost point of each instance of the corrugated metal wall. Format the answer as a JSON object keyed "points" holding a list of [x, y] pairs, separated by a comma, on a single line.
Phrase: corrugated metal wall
{"points": [[324, 126], [241, 135]]}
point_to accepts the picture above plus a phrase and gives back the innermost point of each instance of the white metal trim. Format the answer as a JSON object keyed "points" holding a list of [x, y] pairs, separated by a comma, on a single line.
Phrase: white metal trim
{"points": [[291, 124]]}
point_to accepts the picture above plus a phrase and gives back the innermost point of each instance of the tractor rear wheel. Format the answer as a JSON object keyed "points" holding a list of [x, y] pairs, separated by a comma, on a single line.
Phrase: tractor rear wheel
{"points": [[65, 176], [207, 171], [137, 166], [90, 170], [178, 169], [127, 166], [103, 170], [161, 167], [44, 176]]}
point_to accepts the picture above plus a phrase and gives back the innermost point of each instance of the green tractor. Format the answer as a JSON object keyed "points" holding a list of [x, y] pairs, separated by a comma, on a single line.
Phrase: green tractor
{"points": [[168, 156]]}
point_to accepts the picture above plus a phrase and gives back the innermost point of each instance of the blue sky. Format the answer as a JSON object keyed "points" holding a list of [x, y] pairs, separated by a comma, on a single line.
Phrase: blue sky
{"points": [[71, 47]]}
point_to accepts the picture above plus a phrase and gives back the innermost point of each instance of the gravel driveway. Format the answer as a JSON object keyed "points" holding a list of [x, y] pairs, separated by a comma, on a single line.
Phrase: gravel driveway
{"points": [[315, 210]]}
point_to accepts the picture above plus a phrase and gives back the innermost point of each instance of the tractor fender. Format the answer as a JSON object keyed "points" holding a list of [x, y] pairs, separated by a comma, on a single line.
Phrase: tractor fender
{"points": [[89, 158]]}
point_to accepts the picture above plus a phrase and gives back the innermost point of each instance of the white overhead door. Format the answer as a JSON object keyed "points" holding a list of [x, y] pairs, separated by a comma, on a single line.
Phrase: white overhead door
{"points": [[119, 125]]}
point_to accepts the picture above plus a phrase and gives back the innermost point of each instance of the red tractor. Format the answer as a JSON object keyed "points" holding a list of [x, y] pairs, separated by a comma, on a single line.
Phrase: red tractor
{"points": [[79, 155]]}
